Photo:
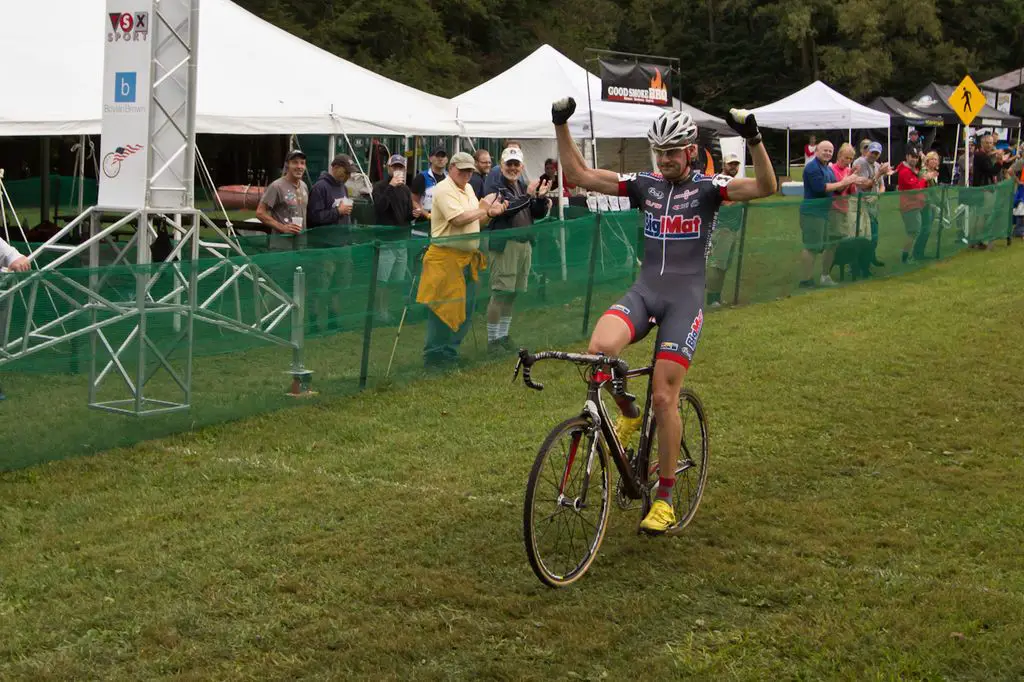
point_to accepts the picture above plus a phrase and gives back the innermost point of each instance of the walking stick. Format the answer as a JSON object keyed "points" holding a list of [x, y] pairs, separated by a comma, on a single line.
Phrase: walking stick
{"points": [[417, 268]]}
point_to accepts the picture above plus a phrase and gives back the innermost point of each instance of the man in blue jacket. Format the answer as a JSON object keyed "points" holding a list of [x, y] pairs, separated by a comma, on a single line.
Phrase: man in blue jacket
{"points": [[819, 185], [329, 217]]}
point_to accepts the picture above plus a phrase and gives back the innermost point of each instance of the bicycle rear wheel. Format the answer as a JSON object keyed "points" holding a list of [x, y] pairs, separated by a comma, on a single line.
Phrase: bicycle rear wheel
{"points": [[691, 467], [565, 514]]}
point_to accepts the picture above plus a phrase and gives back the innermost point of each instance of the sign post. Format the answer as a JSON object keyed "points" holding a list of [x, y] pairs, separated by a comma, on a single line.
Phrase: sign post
{"points": [[966, 100], [127, 89]]}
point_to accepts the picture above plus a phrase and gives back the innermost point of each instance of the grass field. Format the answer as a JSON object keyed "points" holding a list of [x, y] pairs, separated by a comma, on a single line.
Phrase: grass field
{"points": [[863, 521]]}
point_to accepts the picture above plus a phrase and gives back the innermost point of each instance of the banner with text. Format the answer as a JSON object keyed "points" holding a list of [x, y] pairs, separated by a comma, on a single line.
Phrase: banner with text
{"points": [[126, 89], [635, 83]]}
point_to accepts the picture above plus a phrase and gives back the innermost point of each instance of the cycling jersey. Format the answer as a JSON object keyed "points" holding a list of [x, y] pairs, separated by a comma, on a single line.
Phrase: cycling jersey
{"points": [[679, 218]]}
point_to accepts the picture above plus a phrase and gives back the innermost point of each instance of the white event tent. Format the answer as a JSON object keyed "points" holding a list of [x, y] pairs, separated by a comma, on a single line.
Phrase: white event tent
{"points": [[253, 78], [818, 107], [517, 104]]}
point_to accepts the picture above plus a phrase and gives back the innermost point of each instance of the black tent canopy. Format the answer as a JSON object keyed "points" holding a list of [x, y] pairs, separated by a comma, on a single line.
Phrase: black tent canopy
{"points": [[903, 115], [932, 101]]}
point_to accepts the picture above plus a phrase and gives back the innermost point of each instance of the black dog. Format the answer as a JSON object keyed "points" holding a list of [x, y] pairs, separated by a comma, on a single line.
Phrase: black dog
{"points": [[857, 253]]}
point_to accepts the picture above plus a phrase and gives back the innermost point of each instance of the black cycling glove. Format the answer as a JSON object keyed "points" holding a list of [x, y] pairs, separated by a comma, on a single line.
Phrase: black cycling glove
{"points": [[561, 110], [742, 121]]}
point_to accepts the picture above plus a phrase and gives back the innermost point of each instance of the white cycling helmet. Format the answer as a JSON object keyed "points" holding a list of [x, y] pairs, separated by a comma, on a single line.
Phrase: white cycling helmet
{"points": [[672, 130]]}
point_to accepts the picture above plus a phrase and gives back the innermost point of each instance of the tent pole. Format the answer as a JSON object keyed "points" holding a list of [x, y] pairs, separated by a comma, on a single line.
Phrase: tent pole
{"points": [[849, 135], [888, 145], [332, 146], [787, 153], [81, 175], [593, 133]]}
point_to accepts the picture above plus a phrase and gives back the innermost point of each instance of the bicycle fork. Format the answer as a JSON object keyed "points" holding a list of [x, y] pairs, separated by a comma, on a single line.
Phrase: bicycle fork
{"points": [[593, 433]]}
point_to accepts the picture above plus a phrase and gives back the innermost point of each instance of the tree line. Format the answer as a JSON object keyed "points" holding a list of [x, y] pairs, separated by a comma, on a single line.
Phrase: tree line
{"points": [[733, 52]]}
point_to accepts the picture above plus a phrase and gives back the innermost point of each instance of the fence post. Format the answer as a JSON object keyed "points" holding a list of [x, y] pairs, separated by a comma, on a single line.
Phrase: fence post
{"points": [[301, 377], [1009, 227], [370, 306], [856, 232], [942, 220], [739, 256], [594, 249]]}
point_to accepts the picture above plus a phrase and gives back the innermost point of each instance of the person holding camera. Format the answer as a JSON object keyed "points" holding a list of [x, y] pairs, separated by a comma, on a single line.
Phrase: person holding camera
{"points": [[392, 204], [329, 217], [510, 255], [11, 259]]}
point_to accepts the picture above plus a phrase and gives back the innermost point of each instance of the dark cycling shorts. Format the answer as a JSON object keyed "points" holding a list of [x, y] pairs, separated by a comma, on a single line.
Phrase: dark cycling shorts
{"points": [[679, 317]]}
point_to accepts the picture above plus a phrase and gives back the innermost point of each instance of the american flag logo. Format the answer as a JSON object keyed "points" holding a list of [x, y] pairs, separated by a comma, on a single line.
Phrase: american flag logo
{"points": [[122, 153]]}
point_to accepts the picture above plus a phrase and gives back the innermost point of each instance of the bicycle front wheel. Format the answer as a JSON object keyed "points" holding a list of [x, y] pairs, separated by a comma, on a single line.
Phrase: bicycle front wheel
{"points": [[567, 501]]}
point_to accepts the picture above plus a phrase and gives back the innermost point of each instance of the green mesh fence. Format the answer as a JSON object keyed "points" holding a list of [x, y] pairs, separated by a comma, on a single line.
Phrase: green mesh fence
{"points": [[352, 315]]}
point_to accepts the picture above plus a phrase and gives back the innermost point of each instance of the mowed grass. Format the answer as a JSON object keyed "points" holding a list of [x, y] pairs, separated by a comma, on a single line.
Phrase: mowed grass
{"points": [[863, 520]]}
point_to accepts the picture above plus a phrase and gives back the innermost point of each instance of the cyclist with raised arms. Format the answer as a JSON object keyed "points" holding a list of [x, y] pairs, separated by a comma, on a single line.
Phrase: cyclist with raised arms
{"points": [[680, 211]]}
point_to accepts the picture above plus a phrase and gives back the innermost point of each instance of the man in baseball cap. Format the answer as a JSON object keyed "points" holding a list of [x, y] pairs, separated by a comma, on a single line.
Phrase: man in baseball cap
{"points": [[451, 267], [724, 240], [510, 251], [392, 204], [868, 166], [282, 207], [422, 187], [329, 216]]}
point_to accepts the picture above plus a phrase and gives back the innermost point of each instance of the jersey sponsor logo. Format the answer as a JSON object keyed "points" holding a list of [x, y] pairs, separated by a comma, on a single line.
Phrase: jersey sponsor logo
{"points": [[656, 193], [691, 338], [685, 205], [653, 204], [670, 346], [620, 308], [721, 180], [689, 193], [671, 226]]}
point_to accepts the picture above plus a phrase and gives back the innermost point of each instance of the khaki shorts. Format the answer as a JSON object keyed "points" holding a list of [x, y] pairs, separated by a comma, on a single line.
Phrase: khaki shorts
{"points": [[723, 244], [510, 269]]}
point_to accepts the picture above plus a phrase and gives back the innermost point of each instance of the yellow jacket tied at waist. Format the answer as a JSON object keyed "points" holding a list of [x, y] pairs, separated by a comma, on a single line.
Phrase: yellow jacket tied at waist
{"points": [[442, 284]]}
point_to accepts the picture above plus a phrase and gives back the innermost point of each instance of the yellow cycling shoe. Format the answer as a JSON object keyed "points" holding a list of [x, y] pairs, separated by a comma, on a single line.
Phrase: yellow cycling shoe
{"points": [[659, 519], [625, 427]]}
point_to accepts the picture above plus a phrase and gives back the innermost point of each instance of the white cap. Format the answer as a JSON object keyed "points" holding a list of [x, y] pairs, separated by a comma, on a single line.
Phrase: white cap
{"points": [[512, 154], [733, 157]]}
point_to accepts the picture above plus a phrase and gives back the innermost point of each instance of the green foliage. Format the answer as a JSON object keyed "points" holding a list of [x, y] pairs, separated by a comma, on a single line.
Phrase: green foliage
{"points": [[732, 51]]}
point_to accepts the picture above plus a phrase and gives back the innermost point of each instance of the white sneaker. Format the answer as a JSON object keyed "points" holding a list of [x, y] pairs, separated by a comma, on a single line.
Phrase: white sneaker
{"points": [[826, 281]]}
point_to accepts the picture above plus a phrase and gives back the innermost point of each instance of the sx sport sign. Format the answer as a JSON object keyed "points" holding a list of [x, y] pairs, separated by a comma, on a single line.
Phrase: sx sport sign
{"points": [[128, 27]]}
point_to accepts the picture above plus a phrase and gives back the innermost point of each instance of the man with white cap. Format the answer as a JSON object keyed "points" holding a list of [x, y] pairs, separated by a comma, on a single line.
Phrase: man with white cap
{"points": [[510, 255], [723, 239]]}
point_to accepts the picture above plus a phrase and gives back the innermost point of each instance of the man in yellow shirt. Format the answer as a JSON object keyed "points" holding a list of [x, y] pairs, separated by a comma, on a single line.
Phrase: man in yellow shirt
{"points": [[452, 263]]}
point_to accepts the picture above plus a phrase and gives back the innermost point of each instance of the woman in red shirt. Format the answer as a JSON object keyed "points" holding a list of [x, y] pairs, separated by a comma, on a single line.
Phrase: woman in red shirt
{"points": [[908, 180]]}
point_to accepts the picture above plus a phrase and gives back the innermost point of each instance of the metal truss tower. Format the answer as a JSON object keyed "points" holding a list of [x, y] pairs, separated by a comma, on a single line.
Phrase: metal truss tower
{"points": [[123, 351]]}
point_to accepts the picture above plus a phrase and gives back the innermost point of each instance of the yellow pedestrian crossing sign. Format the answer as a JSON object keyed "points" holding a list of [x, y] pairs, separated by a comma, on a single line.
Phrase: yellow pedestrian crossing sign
{"points": [[966, 100]]}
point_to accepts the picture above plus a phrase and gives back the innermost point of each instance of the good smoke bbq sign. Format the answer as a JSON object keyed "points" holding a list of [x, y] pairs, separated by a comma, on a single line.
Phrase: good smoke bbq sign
{"points": [[634, 82]]}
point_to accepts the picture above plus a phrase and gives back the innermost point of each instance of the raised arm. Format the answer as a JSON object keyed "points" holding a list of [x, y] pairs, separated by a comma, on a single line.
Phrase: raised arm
{"points": [[764, 183], [574, 168]]}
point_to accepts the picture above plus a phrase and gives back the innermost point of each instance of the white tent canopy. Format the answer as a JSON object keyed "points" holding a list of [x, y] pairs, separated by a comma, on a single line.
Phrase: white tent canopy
{"points": [[818, 107], [253, 78], [517, 102]]}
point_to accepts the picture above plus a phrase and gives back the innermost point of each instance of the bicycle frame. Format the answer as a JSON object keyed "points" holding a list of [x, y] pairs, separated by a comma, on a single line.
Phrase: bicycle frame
{"points": [[595, 410]]}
